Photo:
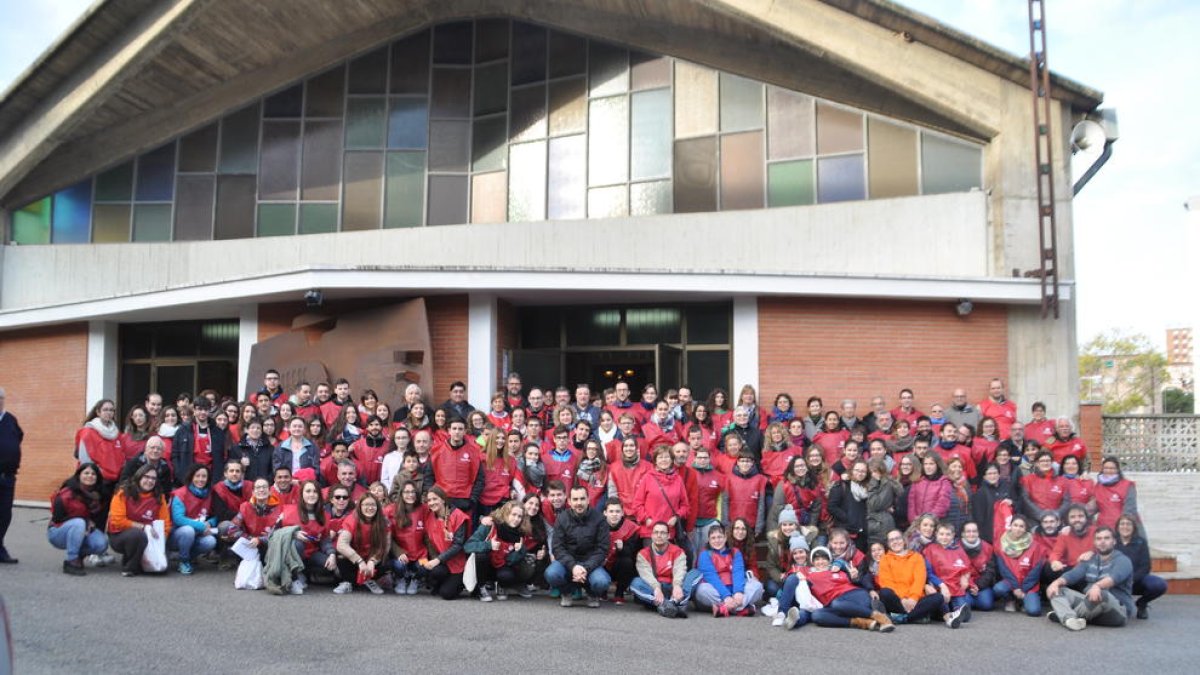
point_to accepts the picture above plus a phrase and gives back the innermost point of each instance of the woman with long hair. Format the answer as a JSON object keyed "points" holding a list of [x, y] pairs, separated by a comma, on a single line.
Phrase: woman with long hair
{"points": [[345, 427], [501, 546], [408, 538], [417, 419], [312, 540], [1019, 560], [848, 503], [393, 461], [362, 546], [1145, 585], [135, 506], [592, 473], [137, 430], [499, 472], [74, 519], [99, 442], [992, 504], [719, 408], [832, 437], [447, 528], [193, 525], [932, 493]]}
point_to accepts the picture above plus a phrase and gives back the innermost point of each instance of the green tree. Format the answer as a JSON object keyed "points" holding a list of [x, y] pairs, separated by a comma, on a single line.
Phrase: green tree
{"points": [[1123, 371], [1177, 401]]}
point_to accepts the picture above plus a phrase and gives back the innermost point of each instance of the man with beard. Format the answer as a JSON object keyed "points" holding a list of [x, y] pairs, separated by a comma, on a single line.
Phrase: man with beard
{"points": [[1107, 578]]}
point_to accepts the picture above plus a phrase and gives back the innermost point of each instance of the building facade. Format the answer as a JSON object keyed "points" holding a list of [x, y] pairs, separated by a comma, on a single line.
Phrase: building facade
{"points": [[796, 196]]}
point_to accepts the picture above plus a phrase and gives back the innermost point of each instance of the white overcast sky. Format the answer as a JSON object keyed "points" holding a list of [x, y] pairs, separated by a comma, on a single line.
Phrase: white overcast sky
{"points": [[1131, 236]]}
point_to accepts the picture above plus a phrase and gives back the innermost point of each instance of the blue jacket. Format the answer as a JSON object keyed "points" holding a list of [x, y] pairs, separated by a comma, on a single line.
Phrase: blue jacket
{"points": [[179, 513], [282, 456], [709, 571]]}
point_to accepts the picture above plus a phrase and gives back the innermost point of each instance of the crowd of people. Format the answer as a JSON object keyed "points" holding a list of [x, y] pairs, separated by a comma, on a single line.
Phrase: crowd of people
{"points": [[724, 504]]}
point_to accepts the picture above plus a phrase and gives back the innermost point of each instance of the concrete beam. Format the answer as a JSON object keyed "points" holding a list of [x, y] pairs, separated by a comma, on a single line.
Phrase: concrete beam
{"points": [[247, 338], [481, 349], [101, 361], [745, 343]]}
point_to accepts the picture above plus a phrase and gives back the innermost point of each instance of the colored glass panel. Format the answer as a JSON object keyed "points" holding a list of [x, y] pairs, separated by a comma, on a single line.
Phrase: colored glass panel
{"points": [[451, 95], [528, 53], [568, 106], [527, 182], [790, 124], [608, 202], [650, 147], [410, 65], [239, 142], [72, 214], [791, 183], [31, 223], [152, 222], [198, 150], [646, 199], [235, 207], [362, 192], [156, 175], [193, 208], [608, 67], [318, 218], [405, 189], [568, 177], [276, 220], [892, 165], [489, 197], [948, 165], [116, 184], [321, 166], [286, 103], [528, 118], [449, 145], [110, 222], [408, 123], [366, 123], [368, 73], [838, 129], [489, 144], [742, 171], [695, 175], [647, 71], [452, 42], [325, 96], [695, 100], [491, 88], [840, 179], [279, 168], [608, 140], [741, 103], [491, 39], [448, 200]]}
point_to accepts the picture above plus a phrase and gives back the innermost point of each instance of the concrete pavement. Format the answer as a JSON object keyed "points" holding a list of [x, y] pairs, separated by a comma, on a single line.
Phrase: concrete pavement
{"points": [[105, 623]]}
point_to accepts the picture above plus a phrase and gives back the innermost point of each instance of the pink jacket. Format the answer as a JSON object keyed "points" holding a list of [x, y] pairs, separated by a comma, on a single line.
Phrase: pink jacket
{"points": [[927, 496]]}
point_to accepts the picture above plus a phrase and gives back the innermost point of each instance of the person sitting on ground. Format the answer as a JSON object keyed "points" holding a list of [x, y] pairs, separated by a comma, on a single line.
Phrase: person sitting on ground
{"points": [[1145, 585], [792, 614], [949, 571], [726, 588], [1019, 560], [1107, 579], [983, 568], [193, 527], [312, 540], [779, 557], [663, 581], [903, 585], [579, 543], [75, 524], [135, 506], [500, 546], [844, 603], [362, 548]]}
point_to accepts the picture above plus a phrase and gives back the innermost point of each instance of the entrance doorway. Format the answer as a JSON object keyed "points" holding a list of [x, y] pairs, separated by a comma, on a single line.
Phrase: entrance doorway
{"points": [[604, 369]]}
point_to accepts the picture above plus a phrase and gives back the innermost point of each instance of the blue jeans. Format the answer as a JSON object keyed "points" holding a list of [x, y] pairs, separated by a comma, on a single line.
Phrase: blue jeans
{"points": [[558, 576], [1033, 603], [984, 601], [185, 540], [1149, 588], [855, 604], [644, 592], [76, 540]]}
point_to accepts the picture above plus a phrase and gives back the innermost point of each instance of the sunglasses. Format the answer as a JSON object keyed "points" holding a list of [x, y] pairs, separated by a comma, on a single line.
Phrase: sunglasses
{"points": [[340, 497]]}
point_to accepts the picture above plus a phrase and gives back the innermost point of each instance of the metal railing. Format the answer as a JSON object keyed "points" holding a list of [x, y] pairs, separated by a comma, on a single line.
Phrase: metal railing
{"points": [[1153, 442]]}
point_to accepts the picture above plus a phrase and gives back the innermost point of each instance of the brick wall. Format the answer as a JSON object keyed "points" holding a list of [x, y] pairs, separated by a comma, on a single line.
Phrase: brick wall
{"points": [[839, 349], [44, 374], [448, 319]]}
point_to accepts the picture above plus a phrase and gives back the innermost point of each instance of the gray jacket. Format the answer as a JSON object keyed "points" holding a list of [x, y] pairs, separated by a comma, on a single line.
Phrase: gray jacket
{"points": [[968, 415], [1117, 567]]}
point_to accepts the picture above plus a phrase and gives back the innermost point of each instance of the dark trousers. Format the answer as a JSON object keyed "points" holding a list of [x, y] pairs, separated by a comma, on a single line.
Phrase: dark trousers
{"points": [[623, 570], [508, 576], [131, 544], [445, 583], [8, 490], [926, 606]]}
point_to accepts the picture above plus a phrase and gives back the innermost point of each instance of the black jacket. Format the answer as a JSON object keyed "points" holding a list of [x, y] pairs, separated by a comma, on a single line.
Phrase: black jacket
{"points": [[580, 539], [1138, 552], [260, 458], [184, 447], [848, 512], [11, 436], [166, 474], [983, 506], [752, 439]]}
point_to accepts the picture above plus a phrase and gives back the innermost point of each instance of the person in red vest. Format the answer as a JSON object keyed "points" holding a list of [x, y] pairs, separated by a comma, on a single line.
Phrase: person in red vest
{"points": [[745, 494], [284, 488], [949, 448], [500, 546], [257, 517], [313, 541], [660, 427], [832, 437], [725, 587], [661, 495], [135, 506], [99, 442], [950, 573], [499, 472], [1041, 490], [74, 527], [447, 529], [906, 410], [626, 429], [663, 581], [368, 451], [193, 525], [1116, 495], [347, 477], [624, 541], [561, 459], [1079, 489], [983, 568], [362, 549], [1074, 544], [705, 498], [627, 471], [409, 550], [1066, 442], [1019, 559], [331, 409], [999, 407], [1039, 428], [456, 468]]}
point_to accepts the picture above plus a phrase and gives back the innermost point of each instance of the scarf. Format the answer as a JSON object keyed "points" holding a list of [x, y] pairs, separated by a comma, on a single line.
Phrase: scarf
{"points": [[588, 468], [858, 491], [900, 444], [970, 549], [1107, 480], [534, 473], [108, 431], [778, 415], [606, 436], [1070, 476], [167, 430], [1013, 547], [960, 488], [508, 534], [947, 445], [918, 541]]}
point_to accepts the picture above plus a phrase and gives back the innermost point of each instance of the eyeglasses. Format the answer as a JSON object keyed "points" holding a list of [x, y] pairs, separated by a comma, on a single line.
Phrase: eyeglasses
{"points": [[340, 497]]}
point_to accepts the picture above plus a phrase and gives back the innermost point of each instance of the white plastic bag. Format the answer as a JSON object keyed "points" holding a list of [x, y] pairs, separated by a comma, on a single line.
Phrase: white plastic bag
{"points": [[250, 576], [804, 598], [470, 578], [154, 558]]}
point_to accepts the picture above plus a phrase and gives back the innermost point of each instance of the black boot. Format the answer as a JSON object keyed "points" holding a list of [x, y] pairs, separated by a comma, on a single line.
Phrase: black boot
{"points": [[74, 568]]}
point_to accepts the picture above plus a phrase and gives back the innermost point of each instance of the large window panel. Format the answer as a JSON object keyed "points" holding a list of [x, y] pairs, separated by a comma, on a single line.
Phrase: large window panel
{"points": [[152, 222], [408, 123], [410, 65], [72, 213], [276, 220], [742, 171], [696, 107], [528, 119], [608, 202], [366, 123], [198, 150], [448, 200], [489, 144], [318, 218], [239, 142], [491, 88], [840, 179], [489, 197], [31, 223], [647, 199], [790, 124], [568, 106], [568, 177], [111, 222], [695, 174], [321, 169], [948, 165], [648, 71], [528, 53], [451, 93], [651, 142], [156, 175], [363, 191], [405, 190], [527, 182], [609, 69], [235, 207], [449, 145], [608, 141], [838, 129], [892, 163], [193, 208], [741, 103], [791, 183], [279, 169]]}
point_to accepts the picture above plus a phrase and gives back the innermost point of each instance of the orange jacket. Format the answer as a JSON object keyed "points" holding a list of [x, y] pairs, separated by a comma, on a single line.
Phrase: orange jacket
{"points": [[119, 520], [904, 574]]}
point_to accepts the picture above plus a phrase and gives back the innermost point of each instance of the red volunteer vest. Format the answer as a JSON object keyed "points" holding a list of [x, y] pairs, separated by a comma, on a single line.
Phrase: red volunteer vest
{"points": [[1110, 500], [744, 496], [194, 507], [664, 563], [950, 565]]}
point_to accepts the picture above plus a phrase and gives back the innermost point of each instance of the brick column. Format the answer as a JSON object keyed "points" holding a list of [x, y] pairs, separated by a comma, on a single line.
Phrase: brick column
{"points": [[1092, 432]]}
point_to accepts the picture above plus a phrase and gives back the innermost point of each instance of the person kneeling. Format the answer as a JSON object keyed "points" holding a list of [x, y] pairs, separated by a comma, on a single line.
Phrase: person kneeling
{"points": [[500, 546], [580, 544], [663, 582]]}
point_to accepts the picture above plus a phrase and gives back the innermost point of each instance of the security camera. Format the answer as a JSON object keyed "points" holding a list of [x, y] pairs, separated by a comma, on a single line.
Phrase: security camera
{"points": [[314, 298], [964, 307]]}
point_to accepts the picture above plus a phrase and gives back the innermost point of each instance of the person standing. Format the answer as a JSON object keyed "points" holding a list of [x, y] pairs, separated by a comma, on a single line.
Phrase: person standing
{"points": [[11, 436]]}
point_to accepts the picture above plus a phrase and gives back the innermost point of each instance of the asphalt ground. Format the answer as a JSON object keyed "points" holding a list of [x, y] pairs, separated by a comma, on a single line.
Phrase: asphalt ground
{"points": [[104, 623]]}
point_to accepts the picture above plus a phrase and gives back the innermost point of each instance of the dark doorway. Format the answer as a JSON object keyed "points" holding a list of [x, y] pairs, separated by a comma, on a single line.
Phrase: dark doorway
{"points": [[605, 368]]}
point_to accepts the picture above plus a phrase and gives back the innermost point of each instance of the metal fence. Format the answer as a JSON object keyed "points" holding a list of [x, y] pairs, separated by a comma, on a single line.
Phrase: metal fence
{"points": [[1154, 442]]}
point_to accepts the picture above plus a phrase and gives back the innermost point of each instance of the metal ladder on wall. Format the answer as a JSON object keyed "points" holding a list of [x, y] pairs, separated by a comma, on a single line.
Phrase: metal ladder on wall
{"points": [[1039, 86]]}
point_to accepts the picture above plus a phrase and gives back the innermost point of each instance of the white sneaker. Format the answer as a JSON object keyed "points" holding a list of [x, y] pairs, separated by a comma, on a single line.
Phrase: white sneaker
{"points": [[342, 588], [1075, 623], [484, 594], [92, 560], [414, 585], [954, 619], [778, 620], [303, 580], [296, 588], [771, 609], [107, 559], [401, 587], [374, 587], [501, 592]]}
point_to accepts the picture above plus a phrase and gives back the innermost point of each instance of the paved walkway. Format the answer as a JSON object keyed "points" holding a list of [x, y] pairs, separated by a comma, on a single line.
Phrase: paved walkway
{"points": [[103, 623]]}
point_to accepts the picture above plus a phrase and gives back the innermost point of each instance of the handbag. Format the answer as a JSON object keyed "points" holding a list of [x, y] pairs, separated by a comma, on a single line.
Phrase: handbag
{"points": [[470, 577], [154, 558], [680, 528]]}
